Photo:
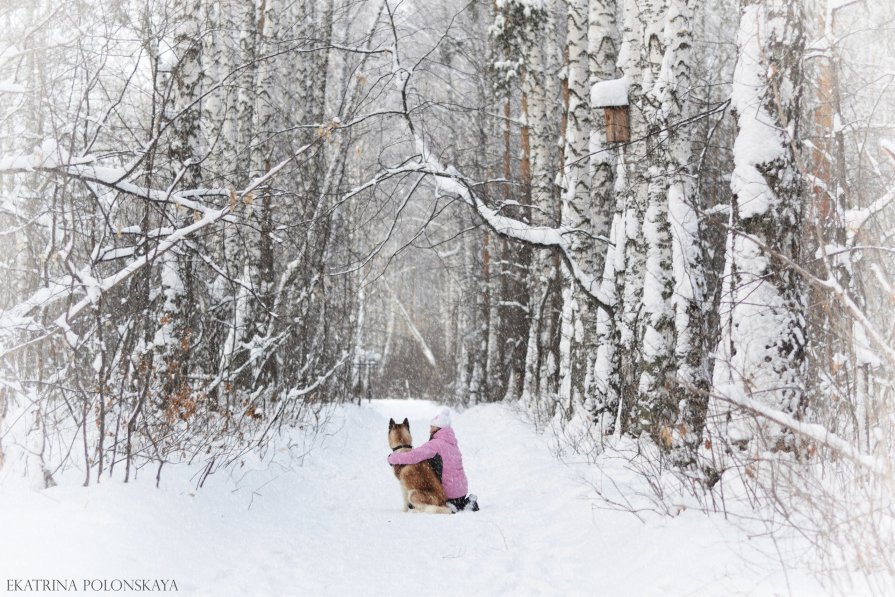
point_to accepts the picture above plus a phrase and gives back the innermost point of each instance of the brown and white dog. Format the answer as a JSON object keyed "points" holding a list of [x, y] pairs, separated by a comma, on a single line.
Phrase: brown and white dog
{"points": [[420, 486]]}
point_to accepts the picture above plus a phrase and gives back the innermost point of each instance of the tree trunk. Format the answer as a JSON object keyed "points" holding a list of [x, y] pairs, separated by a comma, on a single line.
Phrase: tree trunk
{"points": [[761, 352], [576, 325]]}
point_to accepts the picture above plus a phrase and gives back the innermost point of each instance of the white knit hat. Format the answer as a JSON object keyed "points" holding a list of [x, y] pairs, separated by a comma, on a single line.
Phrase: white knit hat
{"points": [[442, 419]]}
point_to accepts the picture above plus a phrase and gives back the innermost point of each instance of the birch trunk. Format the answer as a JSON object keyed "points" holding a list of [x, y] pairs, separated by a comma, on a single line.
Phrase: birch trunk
{"points": [[639, 58], [602, 390], [689, 392], [185, 152], [576, 327], [261, 209], [540, 363], [761, 352], [656, 406], [602, 51]]}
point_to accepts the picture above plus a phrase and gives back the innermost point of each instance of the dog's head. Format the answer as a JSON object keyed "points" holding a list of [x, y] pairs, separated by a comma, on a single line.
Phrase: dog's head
{"points": [[399, 434]]}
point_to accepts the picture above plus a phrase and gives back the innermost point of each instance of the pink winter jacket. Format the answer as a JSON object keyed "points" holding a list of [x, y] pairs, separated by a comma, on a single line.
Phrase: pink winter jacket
{"points": [[444, 442]]}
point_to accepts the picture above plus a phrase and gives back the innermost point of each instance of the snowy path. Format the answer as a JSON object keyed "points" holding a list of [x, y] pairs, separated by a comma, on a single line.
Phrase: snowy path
{"points": [[334, 526]]}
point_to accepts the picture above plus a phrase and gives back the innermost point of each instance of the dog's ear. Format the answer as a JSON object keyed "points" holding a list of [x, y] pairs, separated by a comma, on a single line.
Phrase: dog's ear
{"points": [[391, 424], [406, 423]]}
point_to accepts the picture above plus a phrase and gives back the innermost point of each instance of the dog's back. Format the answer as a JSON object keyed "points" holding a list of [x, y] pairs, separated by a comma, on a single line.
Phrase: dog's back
{"points": [[421, 488]]}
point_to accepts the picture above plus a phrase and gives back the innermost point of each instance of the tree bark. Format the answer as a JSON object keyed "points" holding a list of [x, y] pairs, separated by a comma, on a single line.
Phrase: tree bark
{"points": [[761, 352]]}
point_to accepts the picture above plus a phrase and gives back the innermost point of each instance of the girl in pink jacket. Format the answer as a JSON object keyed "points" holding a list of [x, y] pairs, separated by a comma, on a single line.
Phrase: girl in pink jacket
{"points": [[442, 446]]}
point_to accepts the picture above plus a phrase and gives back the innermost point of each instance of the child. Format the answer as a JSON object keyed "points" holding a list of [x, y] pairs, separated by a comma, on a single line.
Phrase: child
{"points": [[443, 443]]}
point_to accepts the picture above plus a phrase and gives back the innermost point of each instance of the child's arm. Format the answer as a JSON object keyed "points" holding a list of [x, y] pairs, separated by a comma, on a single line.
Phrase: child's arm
{"points": [[424, 452]]}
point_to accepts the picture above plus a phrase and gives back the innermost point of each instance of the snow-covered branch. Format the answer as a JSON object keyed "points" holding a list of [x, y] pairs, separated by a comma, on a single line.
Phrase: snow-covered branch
{"points": [[52, 159], [832, 285], [17, 316], [97, 287], [452, 182], [732, 394]]}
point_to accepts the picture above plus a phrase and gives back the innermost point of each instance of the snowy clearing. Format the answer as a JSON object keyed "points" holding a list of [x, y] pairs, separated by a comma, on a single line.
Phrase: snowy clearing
{"points": [[331, 523]]}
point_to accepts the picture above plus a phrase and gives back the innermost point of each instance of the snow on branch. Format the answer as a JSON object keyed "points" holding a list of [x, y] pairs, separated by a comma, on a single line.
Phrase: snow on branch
{"points": [[50, 159], [450, 181], [294, 394], [888, 148], [17, 316], [831, 284], [733, 394], [424, 347], [857, 217], [96, 288], [7, 87]]}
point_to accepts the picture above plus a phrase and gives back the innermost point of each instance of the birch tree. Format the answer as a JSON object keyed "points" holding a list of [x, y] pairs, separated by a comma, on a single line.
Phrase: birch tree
{"points": [[761, 352], [576, 326], [603, 389], [643, 281]]}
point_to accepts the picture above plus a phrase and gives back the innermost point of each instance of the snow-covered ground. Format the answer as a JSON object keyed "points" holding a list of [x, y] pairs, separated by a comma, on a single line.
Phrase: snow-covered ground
{"points": [[331, 524]]}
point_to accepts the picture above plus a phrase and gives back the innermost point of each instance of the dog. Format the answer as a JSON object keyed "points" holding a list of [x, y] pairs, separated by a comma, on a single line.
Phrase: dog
{"points": [[420, 486]]}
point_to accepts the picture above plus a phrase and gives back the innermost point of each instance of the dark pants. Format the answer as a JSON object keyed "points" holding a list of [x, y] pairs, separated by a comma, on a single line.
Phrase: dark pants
{"points": [[461, 503]]}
